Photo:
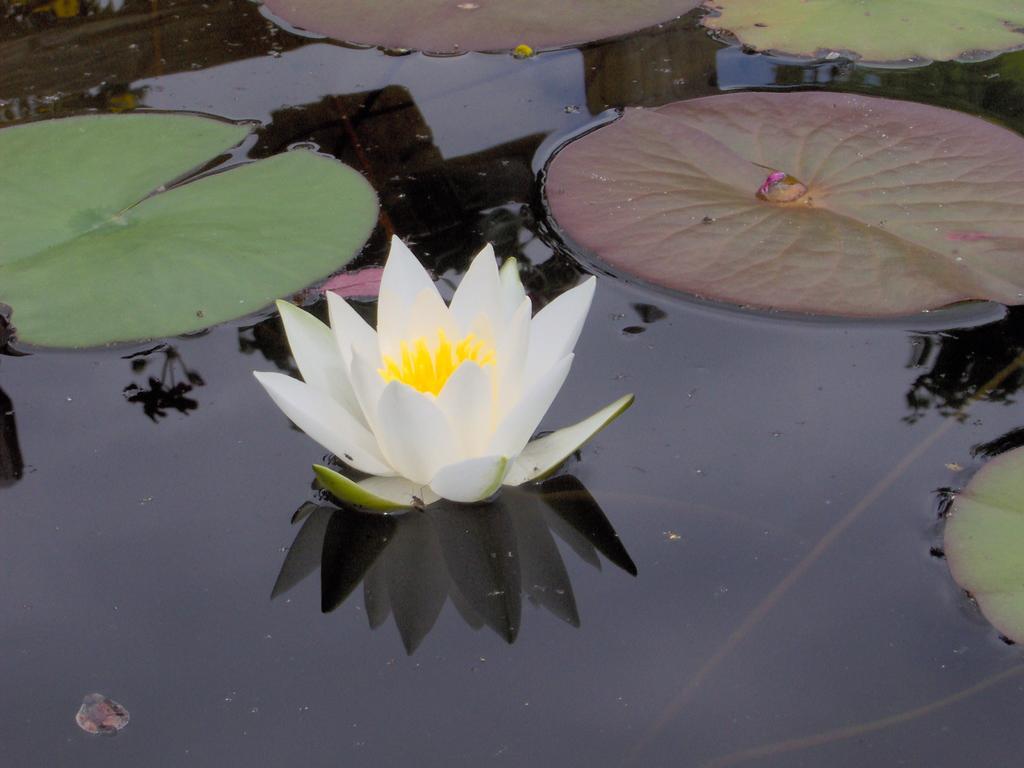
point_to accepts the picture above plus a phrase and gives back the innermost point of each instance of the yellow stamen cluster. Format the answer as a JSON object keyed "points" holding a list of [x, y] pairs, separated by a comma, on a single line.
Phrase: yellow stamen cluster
{"points": [[427, 368]]}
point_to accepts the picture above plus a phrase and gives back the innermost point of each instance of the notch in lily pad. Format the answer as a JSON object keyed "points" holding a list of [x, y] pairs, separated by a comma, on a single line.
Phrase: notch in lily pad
{"points": [[101, 245]]}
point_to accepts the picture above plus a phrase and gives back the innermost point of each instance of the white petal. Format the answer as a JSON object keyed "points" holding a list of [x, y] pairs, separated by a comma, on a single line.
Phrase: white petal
{"points": [[467, 400], [511, 352], [422, 316], [312, 346], [413, 433], [520, 422], [378, 493], [326, 421], [479, 293], [545, 454], [403, 275], [351, 331], [470, 480], [512, 293], [556, 328], [368, 386], [408, 300]]}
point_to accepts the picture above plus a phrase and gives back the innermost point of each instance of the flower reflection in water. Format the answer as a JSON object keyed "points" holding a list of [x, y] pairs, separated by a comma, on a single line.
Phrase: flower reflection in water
{"points": [[485, 558]]}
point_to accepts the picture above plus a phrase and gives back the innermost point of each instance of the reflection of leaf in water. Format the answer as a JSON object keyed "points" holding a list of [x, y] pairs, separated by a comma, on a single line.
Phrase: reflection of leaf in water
{"points": [[164, 393], [960, 361], [484, 558], [1008, 442], [11, 464]]}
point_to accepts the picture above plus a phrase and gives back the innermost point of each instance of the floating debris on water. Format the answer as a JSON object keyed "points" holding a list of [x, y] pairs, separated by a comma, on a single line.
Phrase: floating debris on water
{"points": [[100, 715]]}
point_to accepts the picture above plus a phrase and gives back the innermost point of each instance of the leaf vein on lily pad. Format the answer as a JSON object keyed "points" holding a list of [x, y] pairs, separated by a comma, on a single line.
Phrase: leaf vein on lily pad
{"points": [[886, 208], [448, 26], [98, 249]]}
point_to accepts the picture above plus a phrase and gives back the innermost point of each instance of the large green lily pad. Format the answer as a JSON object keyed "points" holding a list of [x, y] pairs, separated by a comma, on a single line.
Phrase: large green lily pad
{"points": [[907, 207], [909, 31], [95, 250], [452, 26], [985, 542]]}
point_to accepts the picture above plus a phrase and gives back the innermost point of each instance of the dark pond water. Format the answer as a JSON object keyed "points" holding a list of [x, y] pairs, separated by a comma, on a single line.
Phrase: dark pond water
{"points": [[777, 487]]}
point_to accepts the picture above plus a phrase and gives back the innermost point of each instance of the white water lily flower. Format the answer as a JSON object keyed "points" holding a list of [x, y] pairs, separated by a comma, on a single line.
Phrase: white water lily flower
{"points": [[440, 401]]}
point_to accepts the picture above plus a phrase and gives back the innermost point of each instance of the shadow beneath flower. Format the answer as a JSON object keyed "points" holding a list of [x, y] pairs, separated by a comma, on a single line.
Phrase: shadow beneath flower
{"points": [[485, 558]]}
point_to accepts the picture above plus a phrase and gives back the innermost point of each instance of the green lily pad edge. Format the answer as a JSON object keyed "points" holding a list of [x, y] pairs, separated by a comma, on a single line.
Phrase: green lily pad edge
{"points": [[103, 244], [984, 542], [909, 33]]}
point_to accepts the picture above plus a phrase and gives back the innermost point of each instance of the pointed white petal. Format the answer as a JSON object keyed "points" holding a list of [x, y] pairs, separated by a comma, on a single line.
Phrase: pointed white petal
{"points": [[512, 293], [555, 329], [470, 480], [545, 454], [479, 293], [413, 433], [312, 346], [354, 493], [351, 331], [511, 353], [403, 274], [467, 401], [409, 304], [421, 316], [518, 425], [368, 386], [326, 421]]}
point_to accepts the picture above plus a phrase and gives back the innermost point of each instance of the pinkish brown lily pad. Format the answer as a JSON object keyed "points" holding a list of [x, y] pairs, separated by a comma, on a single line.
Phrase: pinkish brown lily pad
{"points": [[361, 284], [451, 26], [811, 202]]}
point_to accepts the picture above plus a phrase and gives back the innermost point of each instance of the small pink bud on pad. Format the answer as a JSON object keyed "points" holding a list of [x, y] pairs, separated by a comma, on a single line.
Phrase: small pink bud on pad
{"points": [[780, 187]]}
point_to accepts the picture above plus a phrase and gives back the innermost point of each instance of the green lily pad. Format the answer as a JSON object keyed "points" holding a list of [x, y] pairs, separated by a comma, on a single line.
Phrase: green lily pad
{"points": [[824, 203], [911, 31], [451, 26], [96, 250], [985, 542]]}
